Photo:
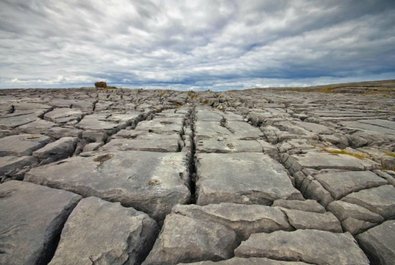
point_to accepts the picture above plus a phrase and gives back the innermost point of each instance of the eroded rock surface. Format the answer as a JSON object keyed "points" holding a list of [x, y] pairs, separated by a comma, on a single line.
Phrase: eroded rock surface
{"points": [[379, 243], [31, 218], [104, 233], [248, 178], [278, 177], [311, 246], [185, 239], [148, 181]]}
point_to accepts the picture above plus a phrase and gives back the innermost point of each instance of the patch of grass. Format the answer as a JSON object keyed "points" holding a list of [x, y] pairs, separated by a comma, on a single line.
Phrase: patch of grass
{"points": [[192, 95], [327, 89], [388, 153], [333, 151]]}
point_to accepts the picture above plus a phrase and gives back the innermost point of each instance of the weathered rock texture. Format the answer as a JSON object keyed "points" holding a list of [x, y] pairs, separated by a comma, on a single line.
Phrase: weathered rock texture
{"points": [[31, 218], [104, 233], [257, 176]]}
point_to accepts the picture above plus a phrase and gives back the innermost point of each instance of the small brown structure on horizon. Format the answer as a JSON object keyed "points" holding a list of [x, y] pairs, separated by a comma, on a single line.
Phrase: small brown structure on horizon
{"points": [[101, 84]]}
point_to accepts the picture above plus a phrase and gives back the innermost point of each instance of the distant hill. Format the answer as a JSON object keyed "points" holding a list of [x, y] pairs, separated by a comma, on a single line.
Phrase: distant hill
{"points": [[367, 87]]}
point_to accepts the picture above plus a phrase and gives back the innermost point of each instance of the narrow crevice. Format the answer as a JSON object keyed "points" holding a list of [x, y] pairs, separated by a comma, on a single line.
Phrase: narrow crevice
{"points": [[41, 116], [287, 218], [53, 241], [192, 159]]}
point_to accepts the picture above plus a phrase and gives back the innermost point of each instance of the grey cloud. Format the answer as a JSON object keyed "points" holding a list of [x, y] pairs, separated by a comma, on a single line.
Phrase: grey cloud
{"points": [[206, 43]]}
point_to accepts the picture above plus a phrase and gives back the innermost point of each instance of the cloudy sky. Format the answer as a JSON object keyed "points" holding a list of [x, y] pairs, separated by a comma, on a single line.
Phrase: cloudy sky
{"points": [[217, 44]]}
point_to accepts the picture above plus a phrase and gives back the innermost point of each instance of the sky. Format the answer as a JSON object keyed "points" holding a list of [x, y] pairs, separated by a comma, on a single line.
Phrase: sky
{"points": [[196, 44]]}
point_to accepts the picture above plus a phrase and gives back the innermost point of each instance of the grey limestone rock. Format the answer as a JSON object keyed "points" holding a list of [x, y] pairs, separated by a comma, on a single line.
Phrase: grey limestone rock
{"points": [[248, 178], [62, 148], [379, 243], [380, 200], [185, 239], [322, 160], [310, 246], [101, 232], [153, 142], [311, 220], [63, 115], [22, 144], [243, 219], [306, 205], [31, 217], [15, 166], [148, 181], [341, 183], [247, 261]]}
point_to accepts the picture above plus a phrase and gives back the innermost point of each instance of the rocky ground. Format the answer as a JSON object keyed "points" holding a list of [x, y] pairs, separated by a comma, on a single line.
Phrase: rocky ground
{"points": [[163, 177]]}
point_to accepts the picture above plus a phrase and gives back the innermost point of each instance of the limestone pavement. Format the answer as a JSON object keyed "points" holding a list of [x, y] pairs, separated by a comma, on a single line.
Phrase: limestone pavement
{"points": [[164, 177]]}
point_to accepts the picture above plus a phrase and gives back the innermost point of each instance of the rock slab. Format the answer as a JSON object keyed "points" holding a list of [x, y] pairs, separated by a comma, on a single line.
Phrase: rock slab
{"points": [[310, 246], [147, 181], [100, 232], [31, 217], [379, 243], [247, 178], [184, 239]]}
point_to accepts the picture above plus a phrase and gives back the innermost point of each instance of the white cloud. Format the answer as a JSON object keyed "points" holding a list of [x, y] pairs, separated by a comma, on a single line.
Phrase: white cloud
{"points": [[199, 44]]}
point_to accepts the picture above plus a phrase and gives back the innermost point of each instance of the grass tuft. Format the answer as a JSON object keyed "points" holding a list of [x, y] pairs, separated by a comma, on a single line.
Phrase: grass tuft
{"points": [[334, 151]]}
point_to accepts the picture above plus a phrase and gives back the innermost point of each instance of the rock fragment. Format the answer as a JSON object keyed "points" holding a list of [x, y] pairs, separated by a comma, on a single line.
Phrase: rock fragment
{"points": [[62, 148], [22, 144], [31, 218], [310, 246], [243, 219], [148, 181], [379, 243], [185, 239], [247, 178], [380, 200], [104, 233]]}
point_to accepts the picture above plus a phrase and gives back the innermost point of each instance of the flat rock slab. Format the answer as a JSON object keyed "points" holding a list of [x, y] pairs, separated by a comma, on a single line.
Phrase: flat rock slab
{"points": [[107, 121], [323, 160], [22, 144], [12, 121], [12, 166], [243, 130], [354, 218], [314, 127], [341, 183], [102, 232], [243, 219], [372, 126], [306, 205], [148, 181], [310, 246], [31, 217], [161, 125], [211, 129], [247, 178], [310, 220], [63, 115], [37, 126], [380, 200], [185, 239], [208, 115], [247, 261], [59, 132], [154, 143], [379, 243], [344, 210], [228, 145], [61, 148]]}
